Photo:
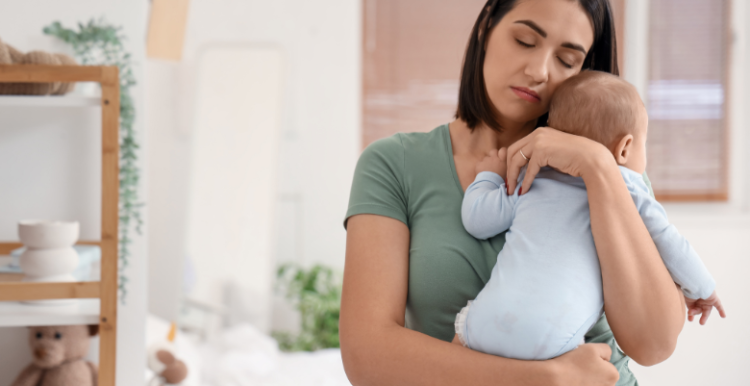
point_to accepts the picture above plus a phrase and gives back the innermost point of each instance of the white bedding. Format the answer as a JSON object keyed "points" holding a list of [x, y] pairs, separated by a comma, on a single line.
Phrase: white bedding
{"points": [[243, 356]]}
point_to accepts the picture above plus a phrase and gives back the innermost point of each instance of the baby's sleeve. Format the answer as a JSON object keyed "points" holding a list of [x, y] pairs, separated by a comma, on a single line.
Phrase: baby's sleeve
{"points": [[683, 263], [487, 209]]}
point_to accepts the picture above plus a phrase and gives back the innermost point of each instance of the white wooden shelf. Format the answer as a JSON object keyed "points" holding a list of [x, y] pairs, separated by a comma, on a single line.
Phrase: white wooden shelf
{"points": [[80, 311], [49, 101], [84, 310]]}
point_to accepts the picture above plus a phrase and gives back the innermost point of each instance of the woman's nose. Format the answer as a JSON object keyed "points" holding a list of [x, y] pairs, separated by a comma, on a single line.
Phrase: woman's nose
{"points": [[537, 68]]}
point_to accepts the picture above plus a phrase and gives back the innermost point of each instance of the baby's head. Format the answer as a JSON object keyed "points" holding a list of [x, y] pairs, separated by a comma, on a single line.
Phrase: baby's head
{"points": [[607, 109]]}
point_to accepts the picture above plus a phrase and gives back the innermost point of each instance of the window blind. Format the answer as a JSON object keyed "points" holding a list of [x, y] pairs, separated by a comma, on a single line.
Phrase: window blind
{"points": [[412, 62], [412, 55], [688, 65]]}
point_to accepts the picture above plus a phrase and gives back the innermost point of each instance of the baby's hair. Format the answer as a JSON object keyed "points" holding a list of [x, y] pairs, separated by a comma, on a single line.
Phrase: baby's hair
{"points": [[596, 105]]}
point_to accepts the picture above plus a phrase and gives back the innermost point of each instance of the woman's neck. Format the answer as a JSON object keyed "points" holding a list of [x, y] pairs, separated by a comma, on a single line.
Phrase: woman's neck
{"points": [[476, 143]]}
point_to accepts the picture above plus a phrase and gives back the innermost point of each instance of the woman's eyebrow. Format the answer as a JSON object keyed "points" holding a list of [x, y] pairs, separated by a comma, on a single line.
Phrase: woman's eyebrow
{"points": [[542, 32], [533, 26], [577, 47]]}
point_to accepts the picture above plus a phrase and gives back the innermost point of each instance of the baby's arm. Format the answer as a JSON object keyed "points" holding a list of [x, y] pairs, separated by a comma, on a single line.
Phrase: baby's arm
{"points": [[487, 209], [680, 258]]}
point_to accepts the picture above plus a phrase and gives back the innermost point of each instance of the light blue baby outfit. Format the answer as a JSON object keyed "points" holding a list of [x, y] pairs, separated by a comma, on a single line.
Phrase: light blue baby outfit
{"points": [[545, 291]]}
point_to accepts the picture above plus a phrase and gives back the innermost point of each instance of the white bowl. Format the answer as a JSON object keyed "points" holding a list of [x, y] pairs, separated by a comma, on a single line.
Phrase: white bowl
{"points": [[41, 234], [41, 263]]}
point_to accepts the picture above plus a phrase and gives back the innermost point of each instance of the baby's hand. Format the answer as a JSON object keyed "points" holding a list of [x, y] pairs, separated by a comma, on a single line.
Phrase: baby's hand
{"points": [[704, 306], [495, 161]]}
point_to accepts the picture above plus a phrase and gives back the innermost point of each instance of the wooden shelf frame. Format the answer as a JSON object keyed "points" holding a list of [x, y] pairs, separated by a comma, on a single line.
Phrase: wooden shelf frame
{"points": [[106, 289]]}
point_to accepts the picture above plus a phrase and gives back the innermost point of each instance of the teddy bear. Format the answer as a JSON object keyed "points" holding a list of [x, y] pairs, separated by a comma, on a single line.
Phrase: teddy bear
{"points": [[10, 55], [161, 360], [58, 357], [168, 369]]}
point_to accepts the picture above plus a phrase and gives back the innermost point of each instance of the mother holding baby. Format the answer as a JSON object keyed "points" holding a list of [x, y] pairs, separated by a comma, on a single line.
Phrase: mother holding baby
{"points": [[411, 266]]}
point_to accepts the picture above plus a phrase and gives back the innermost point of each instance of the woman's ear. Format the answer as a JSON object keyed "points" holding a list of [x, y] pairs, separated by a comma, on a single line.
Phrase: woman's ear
{"points": [[623, 148]]}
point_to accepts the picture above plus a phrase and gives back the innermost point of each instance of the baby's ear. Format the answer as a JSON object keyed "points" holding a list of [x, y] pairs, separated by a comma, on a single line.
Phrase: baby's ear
{"points": [[623, 148]]}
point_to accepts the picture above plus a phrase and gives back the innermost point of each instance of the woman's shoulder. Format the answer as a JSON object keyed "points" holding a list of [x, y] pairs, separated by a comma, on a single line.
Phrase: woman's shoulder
{"points": [[432, 140], [399, 146]]}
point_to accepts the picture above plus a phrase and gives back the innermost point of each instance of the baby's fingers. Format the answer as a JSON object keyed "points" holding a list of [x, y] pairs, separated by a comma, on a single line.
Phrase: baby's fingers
{"points": [[706, 314], [692, 311], [720, 308]]}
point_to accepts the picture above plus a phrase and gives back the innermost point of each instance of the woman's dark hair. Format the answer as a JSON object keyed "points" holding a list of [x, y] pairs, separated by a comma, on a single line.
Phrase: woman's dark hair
{"points": [[474, 106]]}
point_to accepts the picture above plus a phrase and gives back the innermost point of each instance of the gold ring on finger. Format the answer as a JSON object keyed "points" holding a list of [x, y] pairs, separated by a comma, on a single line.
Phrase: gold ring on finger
{"points": [[524, 157]]}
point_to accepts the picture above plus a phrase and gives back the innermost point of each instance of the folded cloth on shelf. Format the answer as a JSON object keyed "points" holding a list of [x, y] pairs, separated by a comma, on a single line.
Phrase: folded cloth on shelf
{"points": [[89, 262]]}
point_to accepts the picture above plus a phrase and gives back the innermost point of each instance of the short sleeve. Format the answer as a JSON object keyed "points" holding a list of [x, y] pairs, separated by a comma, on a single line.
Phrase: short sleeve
{"points": [[378, 184]]}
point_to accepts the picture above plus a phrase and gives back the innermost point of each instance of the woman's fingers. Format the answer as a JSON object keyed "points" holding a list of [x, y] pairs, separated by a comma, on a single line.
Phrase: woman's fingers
{"points": [[516, 161], [531, 171], [603, 350]]}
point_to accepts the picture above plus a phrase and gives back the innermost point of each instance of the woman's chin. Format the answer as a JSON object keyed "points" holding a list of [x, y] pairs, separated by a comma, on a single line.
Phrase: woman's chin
{"points": [[520, 116]]}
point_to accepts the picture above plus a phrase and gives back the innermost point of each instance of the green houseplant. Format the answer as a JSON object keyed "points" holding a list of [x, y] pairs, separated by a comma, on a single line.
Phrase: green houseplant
{"points": [[99, 43], [316, 294]]}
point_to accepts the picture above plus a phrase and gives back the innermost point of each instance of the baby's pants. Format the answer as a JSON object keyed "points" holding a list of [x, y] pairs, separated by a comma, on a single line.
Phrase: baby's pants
{"points": [[504, 336]]}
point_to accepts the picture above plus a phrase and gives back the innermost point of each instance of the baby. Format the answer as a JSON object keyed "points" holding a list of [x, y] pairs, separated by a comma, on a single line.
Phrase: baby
{"points": [[545, 291]]}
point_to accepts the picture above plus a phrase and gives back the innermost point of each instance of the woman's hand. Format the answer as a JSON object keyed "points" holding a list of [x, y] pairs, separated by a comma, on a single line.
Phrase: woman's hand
{"points": [[494, 161], [586, 365], [545, 146]]}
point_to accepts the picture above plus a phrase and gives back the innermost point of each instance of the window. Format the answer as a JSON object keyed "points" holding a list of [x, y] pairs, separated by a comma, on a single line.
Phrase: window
{"points": [[688, 67], [412, 54]]}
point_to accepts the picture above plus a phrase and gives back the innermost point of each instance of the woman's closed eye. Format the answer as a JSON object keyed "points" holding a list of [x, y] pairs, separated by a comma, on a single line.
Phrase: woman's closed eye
{"points": [[564, 63], [524, 44], [529, 45]]}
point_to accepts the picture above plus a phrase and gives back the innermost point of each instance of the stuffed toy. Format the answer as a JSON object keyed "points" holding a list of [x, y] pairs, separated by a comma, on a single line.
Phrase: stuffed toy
{"points": [[169, 369], [10, 55], [161, 360], [58, 357]]}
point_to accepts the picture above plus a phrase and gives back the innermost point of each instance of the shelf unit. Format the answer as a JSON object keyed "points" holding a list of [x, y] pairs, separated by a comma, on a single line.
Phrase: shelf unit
{"points": [[104, 290], [49, 101], [83, 311]]}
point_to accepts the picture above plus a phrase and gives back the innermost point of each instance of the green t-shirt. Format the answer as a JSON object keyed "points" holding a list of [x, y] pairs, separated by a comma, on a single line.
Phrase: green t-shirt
{"points": [[411, 177]]}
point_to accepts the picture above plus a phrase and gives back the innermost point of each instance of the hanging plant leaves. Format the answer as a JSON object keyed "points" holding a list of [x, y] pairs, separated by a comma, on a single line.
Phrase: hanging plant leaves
{"points": [[100, 43]]}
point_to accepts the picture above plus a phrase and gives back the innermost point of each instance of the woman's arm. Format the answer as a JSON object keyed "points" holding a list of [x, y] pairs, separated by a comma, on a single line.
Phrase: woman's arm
{"points": [[378, 350], [645, 309]]}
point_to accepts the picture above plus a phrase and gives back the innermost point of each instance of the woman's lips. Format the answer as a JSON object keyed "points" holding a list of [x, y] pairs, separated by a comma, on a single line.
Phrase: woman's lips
{"points": [[526, 94]]}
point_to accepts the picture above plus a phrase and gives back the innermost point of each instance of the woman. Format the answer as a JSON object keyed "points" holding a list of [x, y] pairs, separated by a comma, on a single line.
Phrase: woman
{"points": [[410, 265]]}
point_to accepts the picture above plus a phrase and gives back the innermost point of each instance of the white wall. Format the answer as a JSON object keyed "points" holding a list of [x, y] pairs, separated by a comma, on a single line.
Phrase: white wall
{"points": [[714, 354], [320, 141], [21, 24], [320, 145]]}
